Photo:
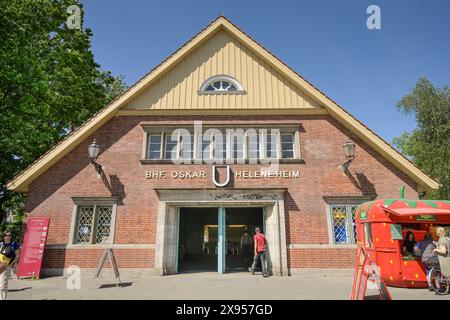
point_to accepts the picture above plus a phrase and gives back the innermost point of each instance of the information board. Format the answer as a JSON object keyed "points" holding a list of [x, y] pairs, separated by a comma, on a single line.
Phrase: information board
{"points": [[108, 253], [36, 230]]}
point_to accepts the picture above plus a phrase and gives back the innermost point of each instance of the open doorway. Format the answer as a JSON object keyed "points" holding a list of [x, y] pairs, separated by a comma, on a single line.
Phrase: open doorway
{"points": [[200, 240], [240, 229], [197, 249]]}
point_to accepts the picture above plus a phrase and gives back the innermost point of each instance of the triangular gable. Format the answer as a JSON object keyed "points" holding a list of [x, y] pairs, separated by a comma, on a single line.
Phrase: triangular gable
{"points": [[222, 54], [21, 181]]}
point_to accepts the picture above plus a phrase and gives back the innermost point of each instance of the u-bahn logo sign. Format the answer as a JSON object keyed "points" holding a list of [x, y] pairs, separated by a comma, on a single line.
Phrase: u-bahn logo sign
{"points": [[213, 176]]}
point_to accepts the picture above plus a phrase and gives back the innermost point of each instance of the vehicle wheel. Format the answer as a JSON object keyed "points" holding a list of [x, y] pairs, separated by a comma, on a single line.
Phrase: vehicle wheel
{"points": [[439, 282]]}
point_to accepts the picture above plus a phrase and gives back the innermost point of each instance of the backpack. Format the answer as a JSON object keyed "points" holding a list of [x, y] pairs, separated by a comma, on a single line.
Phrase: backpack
{"points": [[7, 253]]}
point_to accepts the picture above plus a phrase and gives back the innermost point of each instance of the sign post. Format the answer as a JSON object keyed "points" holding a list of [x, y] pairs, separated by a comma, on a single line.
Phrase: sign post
{"points": [[32, 253], [112, 261]]}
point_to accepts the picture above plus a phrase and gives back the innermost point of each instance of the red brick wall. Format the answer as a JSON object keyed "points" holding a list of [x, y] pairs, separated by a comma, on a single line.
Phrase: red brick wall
{"points": [[121, 138], [125, 258], [321, 258]]}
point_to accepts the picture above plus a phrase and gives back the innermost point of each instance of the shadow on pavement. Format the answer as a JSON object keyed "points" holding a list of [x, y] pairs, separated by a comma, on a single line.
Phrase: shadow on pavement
{"points": [[113, 285], [21, 289]]}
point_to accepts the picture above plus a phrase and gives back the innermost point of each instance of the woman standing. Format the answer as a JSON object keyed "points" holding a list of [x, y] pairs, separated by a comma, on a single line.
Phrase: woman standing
{"points": [[9, 255], [443, 251]]}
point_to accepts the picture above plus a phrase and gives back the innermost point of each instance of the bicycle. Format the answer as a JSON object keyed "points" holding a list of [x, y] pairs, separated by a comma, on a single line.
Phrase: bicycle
{"points": [[437, 281]]}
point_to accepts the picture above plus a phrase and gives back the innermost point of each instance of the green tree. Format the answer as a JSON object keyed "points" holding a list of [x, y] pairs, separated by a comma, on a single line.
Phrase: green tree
{"points": [[49, 85], [429, 144]]}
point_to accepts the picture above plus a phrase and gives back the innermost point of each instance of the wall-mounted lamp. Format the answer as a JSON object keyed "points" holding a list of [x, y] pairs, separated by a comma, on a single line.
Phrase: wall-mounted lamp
{"points": [[94, 150], [349, 150]]}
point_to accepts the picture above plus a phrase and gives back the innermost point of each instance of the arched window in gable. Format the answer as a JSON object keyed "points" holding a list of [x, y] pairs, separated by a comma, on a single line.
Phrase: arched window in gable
{"points": [[221, 84]]}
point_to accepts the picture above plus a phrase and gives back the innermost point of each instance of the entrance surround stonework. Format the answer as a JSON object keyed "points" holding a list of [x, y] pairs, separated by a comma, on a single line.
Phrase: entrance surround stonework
{"points": [[170, 200]]}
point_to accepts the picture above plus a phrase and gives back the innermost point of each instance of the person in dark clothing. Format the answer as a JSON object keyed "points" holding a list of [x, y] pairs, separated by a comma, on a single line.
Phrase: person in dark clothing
{"points": [[9, 256], [246, 246], [424, 249], [422, 245], [229, 248], [408, 244]]}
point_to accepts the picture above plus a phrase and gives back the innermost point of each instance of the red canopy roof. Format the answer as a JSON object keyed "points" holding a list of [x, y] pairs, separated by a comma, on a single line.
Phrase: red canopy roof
{"points": [[417, 211]]}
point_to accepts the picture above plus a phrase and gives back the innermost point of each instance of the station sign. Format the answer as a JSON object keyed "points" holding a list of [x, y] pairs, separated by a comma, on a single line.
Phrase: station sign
{"points": [[33, 247]]}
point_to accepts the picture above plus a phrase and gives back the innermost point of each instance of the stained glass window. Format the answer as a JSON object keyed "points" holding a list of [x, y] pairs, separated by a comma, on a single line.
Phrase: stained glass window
{"points": [[344, 226]]}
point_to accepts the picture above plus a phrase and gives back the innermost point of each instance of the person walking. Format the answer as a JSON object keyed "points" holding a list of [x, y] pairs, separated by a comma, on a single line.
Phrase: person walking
{"points": [[9, 256], [260, 252]]}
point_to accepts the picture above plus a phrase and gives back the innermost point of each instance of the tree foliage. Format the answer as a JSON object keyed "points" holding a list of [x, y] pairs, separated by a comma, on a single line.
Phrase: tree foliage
{"points": [[429, 144], [49, 84]]}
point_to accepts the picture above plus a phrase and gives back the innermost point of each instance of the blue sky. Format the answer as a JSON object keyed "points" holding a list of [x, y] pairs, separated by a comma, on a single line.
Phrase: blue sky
{"points": [[327, 42]]}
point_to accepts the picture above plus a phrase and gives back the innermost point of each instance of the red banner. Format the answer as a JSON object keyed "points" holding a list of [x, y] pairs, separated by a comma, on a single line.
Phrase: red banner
{"points": [[33, 247]]}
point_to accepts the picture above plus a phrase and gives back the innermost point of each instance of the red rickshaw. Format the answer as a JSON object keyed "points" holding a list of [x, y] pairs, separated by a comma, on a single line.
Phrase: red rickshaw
{"points": [[382, 226]]}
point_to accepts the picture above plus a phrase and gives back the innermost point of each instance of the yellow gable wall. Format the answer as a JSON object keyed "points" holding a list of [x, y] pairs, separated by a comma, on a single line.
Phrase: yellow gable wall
{"points": [[222, 54]]}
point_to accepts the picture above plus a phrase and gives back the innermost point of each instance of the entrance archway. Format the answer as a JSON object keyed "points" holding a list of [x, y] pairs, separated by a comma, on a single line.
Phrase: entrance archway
{"points": [[170, 202]]}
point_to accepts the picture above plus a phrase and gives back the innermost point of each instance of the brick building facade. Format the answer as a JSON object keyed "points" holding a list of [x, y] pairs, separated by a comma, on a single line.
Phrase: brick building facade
{"points": [[134, 203]]}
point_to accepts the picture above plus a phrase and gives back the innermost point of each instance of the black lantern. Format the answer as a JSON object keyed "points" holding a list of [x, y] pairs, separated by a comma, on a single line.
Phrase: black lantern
{"points": [[349, 151], [93, 151]]}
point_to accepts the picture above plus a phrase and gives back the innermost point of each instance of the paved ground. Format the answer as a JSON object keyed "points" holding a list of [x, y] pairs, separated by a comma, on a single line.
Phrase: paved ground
{"points": [[203, 286]]}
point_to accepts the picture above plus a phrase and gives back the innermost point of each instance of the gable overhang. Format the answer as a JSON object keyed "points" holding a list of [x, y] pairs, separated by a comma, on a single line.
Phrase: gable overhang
{"points": [[21, 182]]}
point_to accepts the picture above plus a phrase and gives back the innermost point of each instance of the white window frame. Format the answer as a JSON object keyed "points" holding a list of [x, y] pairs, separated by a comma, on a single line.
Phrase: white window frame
{"points": [[180, 152], [92, 202], [221, 77], [261, 132], [259, 145], [293, 144], [210, 146], [231, 138], [161, 146], [278, 155], [341, 201], [177, 145]]}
